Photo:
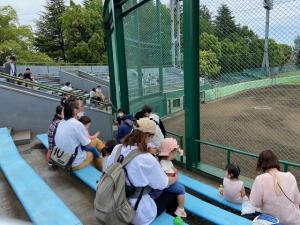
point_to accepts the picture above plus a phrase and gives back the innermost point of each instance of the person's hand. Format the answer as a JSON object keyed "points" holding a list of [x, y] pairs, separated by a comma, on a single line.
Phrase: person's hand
{"points": [[97, 134], [221, 189]]}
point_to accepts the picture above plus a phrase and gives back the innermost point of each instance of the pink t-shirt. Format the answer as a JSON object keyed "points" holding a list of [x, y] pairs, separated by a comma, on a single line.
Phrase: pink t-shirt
{"points": [[232, 190], [266, 195]]}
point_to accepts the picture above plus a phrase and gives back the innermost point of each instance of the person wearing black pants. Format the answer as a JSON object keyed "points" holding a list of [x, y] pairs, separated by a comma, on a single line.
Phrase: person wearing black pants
{"points": [[167, 201]]}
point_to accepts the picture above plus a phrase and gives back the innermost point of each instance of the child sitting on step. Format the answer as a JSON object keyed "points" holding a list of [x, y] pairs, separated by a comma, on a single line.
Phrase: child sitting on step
{"points": [[168, 150]]}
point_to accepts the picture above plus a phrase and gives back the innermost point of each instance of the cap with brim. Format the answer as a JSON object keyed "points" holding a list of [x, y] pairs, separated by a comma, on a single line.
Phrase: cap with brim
{"points": [[145, 125]]}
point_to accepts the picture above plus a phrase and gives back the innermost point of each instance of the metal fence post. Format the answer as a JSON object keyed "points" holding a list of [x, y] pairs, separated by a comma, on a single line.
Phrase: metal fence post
{"points": [[191, 80]]}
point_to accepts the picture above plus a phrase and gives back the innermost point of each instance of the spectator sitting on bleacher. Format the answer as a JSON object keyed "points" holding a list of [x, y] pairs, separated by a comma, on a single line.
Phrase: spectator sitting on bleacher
{"points": [[147, 111], [94, 95], [233, 188], [274, 192], [106, 152], [28, 76], [99, 94], [125, 127], [168, 151], [71, 134], [158, 136], [67, 87], [95, 141], [52, 130], [144, 170]]}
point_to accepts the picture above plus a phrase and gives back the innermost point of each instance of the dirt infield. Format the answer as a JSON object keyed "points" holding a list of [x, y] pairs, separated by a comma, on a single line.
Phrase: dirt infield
{"points": [[253, 120]]}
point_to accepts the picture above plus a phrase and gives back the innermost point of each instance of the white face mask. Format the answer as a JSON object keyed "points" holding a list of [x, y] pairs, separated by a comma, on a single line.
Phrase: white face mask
{"points": [[80, 114]]}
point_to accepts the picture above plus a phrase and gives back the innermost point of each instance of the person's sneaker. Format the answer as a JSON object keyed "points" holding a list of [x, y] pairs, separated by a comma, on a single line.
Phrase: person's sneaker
{"points": [[180, 212]]}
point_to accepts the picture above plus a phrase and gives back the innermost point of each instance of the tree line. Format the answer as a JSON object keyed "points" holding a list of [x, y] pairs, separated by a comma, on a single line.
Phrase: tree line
{"points": [[75, 34], [227, 47]]}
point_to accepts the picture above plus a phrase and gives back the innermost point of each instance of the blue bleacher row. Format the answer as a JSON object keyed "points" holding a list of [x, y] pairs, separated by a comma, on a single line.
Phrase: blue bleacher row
{"points": [[194, 205], [11, 163]]}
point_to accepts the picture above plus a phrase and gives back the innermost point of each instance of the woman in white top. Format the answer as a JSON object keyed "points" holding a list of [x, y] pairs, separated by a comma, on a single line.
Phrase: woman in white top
{"points": [[145, 170], [274, 192], [72, 134]]}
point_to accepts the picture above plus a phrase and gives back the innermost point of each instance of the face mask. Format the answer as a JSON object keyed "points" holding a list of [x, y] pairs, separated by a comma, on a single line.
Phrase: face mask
{"points": [[80, 114]]}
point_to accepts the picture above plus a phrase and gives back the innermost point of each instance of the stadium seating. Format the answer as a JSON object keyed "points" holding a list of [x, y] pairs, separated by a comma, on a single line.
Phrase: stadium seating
{"points": [[42, 205], [207, 191], [90, 176]]}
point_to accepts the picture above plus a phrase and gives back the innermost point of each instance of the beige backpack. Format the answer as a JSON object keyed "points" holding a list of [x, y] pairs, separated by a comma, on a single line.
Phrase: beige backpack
{"points": [[111, 204]]}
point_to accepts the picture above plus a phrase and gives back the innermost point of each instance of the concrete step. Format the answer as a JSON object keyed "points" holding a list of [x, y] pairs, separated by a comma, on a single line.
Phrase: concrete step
{"points": [[21, 137]]}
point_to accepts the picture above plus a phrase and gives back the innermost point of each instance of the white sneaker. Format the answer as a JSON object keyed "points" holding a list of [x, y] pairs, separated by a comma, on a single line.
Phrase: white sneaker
{"points": [[180, 212]]}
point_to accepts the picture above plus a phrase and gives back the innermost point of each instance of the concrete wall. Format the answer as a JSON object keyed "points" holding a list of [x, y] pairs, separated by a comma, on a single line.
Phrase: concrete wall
{"points": [[82, 83], [21, 109], [221, 92], [54, 70]]}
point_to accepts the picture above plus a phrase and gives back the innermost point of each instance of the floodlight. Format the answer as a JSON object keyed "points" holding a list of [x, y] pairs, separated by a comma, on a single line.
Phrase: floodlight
{"points": [[268, 4]]}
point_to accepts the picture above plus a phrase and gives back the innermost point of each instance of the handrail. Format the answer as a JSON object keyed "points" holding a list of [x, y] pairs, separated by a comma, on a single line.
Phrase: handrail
{"points": [[36, 84], [286, 164], [60, 64]]}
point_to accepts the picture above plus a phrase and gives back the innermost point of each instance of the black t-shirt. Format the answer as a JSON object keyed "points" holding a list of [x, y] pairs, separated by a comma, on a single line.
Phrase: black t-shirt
{"points": [[27, 75]]}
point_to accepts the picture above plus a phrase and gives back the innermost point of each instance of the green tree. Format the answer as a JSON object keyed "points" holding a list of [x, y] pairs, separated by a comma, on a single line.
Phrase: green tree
{"points": [[206, 24], [49, 34], [279, 54], [84, 36], [17, 40], [210, 42], [209, 65], [224, 23]]}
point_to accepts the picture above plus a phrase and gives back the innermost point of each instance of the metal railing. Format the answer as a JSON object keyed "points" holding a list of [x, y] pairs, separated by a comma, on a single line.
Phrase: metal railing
{"points": [[55, 90], [229, 150], [286, 164]]}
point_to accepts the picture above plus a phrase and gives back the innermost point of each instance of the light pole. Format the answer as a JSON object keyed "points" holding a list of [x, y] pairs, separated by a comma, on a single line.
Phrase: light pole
{"points": [[268, 5], [175, 6]]}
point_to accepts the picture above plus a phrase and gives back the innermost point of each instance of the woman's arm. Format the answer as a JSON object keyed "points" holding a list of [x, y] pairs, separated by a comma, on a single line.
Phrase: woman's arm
{"points": [[256, 195], [243, 191]]}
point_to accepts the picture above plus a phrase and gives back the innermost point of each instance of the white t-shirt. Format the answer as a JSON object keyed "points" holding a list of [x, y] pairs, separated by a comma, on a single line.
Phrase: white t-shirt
{"points": [[143, 170], [92, 94], [70, 134], [67, 88], [158, 137], [167, 166]]}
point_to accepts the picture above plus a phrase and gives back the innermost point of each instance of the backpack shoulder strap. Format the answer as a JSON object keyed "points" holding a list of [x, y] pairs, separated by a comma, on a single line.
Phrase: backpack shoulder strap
{"points": [[118, 153], [131, 156]]}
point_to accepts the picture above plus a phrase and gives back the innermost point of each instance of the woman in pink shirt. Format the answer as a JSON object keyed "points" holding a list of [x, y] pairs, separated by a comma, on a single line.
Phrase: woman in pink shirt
{"points": [[274, 192]]}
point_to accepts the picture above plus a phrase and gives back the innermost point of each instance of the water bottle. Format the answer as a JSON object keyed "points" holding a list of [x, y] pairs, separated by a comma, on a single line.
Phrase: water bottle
{"points": [[178, 221]]}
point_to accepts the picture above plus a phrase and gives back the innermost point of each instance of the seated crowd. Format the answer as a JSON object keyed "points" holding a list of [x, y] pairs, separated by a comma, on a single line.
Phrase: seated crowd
{"points": [[273, 192]]}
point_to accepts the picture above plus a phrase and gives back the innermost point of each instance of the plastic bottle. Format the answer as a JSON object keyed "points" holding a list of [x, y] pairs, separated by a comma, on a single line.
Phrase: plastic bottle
{"points": [[178, 221]]}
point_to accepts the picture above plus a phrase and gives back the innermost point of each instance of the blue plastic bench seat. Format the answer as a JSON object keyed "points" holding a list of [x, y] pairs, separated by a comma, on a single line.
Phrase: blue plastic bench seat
{"points": [[207, 191], [42, 205], [212, 213], [90, 175]]}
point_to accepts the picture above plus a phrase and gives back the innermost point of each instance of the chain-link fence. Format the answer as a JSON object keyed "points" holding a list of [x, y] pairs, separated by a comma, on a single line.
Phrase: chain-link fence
{"points": [[152, 58], [249, 73], [251, 79]]}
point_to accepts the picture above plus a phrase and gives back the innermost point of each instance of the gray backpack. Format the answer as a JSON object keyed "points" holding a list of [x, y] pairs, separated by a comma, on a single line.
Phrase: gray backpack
{"points": [[111, 204]]}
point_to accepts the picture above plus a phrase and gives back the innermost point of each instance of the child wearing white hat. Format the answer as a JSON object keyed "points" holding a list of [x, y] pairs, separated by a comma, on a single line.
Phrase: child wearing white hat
{"points": [[168, 150]]}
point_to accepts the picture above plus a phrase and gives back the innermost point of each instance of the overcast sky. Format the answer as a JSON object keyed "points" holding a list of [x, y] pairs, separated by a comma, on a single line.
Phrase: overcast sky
{"points": [[28, 10], [284, 19]]}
